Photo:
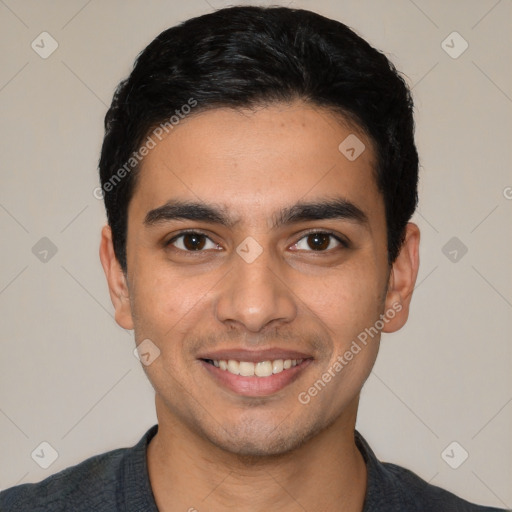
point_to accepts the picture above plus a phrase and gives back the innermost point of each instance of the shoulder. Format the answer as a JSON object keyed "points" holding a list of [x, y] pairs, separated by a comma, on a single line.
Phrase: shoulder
{"points": [[85, 486], [419, 495], [102, 483], [392, 488]]}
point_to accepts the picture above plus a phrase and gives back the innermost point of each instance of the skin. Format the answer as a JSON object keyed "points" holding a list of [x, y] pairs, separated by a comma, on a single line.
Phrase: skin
{"points": [[216, 450]]}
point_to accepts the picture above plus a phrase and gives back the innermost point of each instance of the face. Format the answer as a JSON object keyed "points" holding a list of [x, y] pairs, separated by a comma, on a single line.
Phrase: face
{"points": [[254, 242]]}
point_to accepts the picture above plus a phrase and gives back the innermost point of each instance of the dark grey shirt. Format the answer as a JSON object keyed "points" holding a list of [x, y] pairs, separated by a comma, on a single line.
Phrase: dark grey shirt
{"points": [[118, 481]]}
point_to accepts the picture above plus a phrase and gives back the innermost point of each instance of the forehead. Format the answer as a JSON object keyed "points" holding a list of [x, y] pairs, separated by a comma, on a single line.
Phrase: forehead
{"points": [[255, 161]]}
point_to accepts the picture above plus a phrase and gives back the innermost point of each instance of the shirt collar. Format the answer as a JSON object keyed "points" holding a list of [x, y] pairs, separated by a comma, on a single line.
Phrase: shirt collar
{"points": [[381, 491], [139, 496]]}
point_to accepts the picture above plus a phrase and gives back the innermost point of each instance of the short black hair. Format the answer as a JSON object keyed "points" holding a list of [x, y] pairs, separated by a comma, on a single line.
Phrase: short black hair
{"points": [[245, 57]]}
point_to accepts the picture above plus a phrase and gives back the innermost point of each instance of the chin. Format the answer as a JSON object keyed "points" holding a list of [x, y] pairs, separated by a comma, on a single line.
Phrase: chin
{"points": [[252, 441]]}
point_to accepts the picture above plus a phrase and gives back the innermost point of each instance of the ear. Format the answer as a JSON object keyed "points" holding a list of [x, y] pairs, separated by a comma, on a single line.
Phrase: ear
{"points": [[402, 280], [118, 288]]}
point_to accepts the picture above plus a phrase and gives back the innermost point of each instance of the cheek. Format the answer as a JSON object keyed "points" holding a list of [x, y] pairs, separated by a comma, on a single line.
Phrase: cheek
{"points": [[154, 302], [166, 305], [165, 309], [347, 308], [345, 302]]}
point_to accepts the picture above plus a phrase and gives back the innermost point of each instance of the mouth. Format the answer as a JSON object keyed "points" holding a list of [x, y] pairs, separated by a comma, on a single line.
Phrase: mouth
{"points": [[251, 369], [251, 374]]}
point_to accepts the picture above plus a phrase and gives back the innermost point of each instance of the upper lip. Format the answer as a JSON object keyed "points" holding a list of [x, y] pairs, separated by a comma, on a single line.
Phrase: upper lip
{"points": [[254, 355]]}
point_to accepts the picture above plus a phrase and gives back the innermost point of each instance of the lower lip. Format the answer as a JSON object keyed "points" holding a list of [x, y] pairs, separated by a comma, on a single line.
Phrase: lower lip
{"points": [[256, 386]]}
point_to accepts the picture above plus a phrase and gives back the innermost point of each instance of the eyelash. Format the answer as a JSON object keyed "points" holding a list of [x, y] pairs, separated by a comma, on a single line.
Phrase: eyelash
{"points": [[343, 243]]}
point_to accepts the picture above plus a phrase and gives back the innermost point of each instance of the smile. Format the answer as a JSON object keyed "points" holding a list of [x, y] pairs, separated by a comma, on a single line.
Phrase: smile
{"points": [[258, 369], [255, 378]]}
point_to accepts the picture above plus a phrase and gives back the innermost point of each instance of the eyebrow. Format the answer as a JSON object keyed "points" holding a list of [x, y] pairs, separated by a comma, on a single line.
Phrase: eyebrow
{"points": [[337, 208]]}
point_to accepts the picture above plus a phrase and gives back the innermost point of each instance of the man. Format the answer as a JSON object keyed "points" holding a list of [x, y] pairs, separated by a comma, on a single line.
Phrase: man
{"points": [[259, 173]]}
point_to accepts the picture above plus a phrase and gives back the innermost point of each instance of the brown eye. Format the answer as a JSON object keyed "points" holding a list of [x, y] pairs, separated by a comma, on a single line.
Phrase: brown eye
{"points": [[319, 242], [191, 242]]}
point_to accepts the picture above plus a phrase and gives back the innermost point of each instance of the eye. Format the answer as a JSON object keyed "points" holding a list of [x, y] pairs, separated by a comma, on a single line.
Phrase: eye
{"points": [[192, 241], [320, 241]]}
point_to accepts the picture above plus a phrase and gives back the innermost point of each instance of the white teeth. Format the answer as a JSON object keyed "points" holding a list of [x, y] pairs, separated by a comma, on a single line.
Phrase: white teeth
{"points": [[233, 367], [277, 366], [259, 369], [246, 369], [263, 369]]}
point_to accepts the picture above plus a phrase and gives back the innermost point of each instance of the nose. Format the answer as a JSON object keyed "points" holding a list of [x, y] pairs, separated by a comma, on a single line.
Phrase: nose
{"points": [[255, 294]]}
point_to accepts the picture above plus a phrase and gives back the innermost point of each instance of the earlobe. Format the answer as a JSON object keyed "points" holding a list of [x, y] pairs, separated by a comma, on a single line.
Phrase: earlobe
{"points": [[402, 280], [116, 280]]}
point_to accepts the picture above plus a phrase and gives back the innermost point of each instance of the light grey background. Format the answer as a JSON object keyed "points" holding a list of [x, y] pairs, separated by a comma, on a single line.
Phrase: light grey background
{"points": [[68, 374]]}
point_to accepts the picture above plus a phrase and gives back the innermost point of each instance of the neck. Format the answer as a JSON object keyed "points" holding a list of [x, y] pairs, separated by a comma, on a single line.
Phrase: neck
{"points": [[188, 472]]}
